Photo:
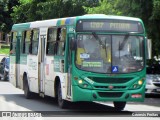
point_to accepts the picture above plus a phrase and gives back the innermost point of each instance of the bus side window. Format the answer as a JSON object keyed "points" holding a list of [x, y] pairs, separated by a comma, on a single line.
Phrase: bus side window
{"points": [[13, 42], [23, 42], [61, 42], [27, 42], [33, 49]]}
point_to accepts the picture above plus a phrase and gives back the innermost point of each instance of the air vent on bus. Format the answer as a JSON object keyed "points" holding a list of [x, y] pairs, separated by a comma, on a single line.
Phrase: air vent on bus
{"points": [[110, 94]]}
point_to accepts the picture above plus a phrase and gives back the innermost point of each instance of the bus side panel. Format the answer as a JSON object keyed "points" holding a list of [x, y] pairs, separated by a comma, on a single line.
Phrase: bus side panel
{"points": [[65, 85], [32, 61], [49, 76], [63, 81]]}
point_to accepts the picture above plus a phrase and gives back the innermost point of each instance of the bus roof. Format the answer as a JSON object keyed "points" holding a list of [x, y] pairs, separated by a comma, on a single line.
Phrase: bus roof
{"points": [[67, 21]]}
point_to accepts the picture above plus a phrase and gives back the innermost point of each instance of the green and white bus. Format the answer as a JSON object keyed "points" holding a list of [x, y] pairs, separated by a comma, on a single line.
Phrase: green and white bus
{"points": [[84, 58]]}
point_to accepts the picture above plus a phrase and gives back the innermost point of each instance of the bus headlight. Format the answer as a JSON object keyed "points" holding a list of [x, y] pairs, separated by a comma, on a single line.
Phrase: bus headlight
{"points": [[140, 82], [80, 81], [137, 84], [83, 84]]}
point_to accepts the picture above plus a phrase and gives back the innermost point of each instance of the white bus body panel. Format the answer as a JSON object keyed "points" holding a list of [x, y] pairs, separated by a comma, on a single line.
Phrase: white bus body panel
{"points": [[32, 74], [49, 76]]}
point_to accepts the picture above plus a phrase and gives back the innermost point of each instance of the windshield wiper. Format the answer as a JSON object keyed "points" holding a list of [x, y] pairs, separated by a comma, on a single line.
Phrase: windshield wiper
{"points": [[97, 38], [126, 38], [100, 42], [121, 46]]}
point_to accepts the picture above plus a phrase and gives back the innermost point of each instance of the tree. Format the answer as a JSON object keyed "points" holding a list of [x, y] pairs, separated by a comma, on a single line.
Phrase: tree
{"points": [[5, 11], [104, 7], [31, 10], [155, 27]]}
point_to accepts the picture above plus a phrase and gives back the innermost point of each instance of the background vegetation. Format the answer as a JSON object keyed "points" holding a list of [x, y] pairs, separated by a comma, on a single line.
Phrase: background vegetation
{"points": [[17, 11]]}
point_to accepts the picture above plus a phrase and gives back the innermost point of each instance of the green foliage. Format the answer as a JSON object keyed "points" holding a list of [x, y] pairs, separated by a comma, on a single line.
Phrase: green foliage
{"points": [[4, 51], [104, 7], [5, 11], [32, 10], [156, 10]]}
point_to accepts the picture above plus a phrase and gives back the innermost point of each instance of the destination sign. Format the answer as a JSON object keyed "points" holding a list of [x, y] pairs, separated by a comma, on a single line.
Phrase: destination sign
{"points": [[109, 25]]}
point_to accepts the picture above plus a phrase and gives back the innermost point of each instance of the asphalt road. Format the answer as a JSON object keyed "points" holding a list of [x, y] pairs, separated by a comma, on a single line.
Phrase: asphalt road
{"points": [[12, 99]]}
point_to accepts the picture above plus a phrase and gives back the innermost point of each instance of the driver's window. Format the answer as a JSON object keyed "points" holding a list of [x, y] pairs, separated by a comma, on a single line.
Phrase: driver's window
{"points": [[61, 42]]}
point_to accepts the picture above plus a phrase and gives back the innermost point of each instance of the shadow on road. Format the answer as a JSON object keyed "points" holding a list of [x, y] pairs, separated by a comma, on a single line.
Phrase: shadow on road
{"points": [[49, 107]]}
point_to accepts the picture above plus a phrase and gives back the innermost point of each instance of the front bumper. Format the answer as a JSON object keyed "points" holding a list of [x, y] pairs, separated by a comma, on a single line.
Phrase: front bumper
{"points": [[80, 94]]}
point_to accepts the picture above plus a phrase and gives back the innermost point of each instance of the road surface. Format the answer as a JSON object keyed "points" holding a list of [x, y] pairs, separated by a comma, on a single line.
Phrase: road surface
{"points": [[12, 99]]}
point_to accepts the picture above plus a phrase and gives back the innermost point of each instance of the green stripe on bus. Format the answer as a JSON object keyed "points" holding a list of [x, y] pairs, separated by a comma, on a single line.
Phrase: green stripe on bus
{"points": [[20, 27]]}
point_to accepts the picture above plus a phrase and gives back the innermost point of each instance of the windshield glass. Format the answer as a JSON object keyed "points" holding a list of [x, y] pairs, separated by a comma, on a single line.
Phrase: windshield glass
{"points": [[109, 53]]}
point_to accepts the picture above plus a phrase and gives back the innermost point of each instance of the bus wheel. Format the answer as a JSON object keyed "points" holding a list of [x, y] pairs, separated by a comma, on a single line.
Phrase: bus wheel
{"points": [[119, 105], [62, 103], [27, 92]]}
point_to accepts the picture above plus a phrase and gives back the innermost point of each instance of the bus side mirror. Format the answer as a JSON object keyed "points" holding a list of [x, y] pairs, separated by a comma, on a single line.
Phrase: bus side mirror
{"points": [[149, 48], [72, 42]]}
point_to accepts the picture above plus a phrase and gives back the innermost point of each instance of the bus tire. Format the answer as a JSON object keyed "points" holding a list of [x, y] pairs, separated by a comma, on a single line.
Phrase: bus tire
{"points": [[62, 103], [119, 105], [27, 93]]}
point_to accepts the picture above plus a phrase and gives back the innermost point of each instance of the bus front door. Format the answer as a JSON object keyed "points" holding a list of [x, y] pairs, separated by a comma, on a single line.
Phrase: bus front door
{"points": [[17, 67], [41, 65]]}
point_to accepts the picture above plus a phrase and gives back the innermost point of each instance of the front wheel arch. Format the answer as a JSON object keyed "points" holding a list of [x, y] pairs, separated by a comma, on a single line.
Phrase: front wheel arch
{"points": [[58, 94]]}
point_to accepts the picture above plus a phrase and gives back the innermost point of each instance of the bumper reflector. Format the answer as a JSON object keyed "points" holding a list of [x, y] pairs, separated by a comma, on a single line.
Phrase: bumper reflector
{"points": [[136, 96]]}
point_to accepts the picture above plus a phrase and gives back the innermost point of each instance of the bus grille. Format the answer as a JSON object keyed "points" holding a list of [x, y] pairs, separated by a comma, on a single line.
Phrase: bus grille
{"points": [[110, 80], [110, 94]]}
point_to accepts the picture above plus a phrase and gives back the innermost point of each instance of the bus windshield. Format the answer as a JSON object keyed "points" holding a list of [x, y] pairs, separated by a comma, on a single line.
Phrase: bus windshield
{"points": [[110, 53]]}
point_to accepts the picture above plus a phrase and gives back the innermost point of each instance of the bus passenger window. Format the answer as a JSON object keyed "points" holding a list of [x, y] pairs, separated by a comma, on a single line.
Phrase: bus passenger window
{"points": [[13, 43], [34, 42], [51, 41], [23, 42], [27, 42]]}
